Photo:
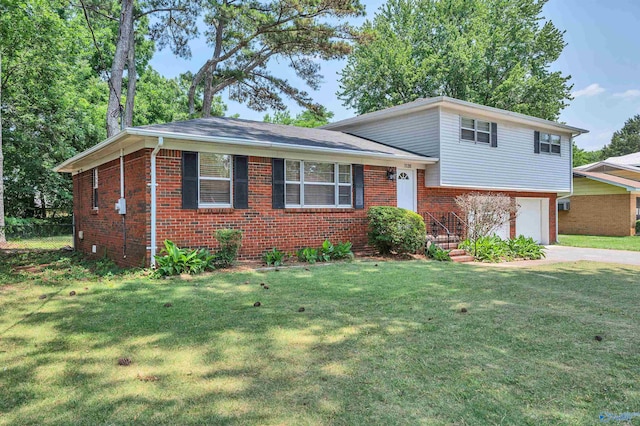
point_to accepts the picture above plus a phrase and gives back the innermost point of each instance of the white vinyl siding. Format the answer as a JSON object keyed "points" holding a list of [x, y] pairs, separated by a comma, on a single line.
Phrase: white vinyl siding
{"points": [[512, 165]]}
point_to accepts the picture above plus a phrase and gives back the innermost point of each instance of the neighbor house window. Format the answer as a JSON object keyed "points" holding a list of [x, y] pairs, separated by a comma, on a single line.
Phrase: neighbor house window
{"points": [[94, 185], [315, 184], [549, 144], [214, 180], [475, 130]]}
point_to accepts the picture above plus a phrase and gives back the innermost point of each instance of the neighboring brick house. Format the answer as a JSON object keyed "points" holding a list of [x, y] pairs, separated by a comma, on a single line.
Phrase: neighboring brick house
{"points": [[289, 187], [605, 199]]}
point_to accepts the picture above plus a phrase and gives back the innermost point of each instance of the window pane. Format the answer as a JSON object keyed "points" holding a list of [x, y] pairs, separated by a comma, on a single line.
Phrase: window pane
{"points": [[214, 165], [555, 149], [544, 147], [292, 193], [319, 172], [468, 135], [344, 171], [467, 122], [344, 195], [483, 137], [555, 139], [484, 126], [215, 191], [544, 137], [292, 171], [319, 195]]}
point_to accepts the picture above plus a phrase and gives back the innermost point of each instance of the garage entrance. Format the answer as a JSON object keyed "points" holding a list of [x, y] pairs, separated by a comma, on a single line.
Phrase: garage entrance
{"points": [[533, 219]]}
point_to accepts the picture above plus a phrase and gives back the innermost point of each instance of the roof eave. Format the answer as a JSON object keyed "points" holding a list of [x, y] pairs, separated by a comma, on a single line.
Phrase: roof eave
{"points": [[609, 182]]}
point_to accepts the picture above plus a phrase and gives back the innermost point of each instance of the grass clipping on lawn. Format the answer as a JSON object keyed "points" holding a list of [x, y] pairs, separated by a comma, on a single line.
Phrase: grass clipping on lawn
{"points": [[402, 343]]}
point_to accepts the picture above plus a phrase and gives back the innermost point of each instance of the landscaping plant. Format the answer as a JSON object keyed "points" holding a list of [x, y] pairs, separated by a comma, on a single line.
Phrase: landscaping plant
{"points": [[395, 230], [178, 260], [436, 252], [494, 249], [343, 250], [274, 257], [230, 241], [308, 254]]}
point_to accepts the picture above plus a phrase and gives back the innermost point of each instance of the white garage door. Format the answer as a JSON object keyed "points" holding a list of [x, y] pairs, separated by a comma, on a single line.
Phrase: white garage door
{"points": [[533, 219]]}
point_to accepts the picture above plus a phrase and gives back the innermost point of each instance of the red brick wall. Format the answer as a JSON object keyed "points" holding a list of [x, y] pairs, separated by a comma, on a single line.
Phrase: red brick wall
{"points": [[103, 227], [442, 200], [263, 227], [611, 215]]}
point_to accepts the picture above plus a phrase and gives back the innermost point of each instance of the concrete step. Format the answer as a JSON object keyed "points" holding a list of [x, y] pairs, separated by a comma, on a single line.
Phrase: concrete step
{"points": [[448, 246], [462, 258], [458, 252]]}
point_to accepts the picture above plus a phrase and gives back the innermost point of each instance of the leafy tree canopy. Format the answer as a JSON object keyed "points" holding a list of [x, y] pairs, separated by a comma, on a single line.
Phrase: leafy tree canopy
{"points": [[624, 141], [582, 157], [492, 52], [306, 118]]}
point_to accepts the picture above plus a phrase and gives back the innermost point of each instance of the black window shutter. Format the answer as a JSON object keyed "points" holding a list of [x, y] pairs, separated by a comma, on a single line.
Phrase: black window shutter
{"points": [[358, 185], [277, 183], [536, 142], [494, 135], [240, 182], [189, 180]]}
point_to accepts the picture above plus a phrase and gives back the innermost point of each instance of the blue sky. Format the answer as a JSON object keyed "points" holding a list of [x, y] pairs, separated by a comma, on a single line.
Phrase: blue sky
{"points": [[602, 56]]}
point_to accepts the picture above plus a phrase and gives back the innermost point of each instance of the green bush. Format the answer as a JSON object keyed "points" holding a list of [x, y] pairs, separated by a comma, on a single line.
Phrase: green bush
{"points": [[494, 249], [343, 250], [436, 252], [638, 227], [274, 257], [395, 230], [325, 252], [308, 254], [179, 261], [230, 241]]}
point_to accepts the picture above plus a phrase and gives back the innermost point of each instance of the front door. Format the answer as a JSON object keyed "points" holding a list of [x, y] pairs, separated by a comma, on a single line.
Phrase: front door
{"points": [[406, 187]]}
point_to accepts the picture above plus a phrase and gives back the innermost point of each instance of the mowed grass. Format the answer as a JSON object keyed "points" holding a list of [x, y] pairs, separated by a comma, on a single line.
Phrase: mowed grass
{"points": [[613, 243], [381, 343]]}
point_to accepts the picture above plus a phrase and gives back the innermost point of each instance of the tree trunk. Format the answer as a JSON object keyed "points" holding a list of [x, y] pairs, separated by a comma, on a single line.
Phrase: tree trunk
{"points": [[131, 86], [207, 98], [117, 68], [3, 237]]}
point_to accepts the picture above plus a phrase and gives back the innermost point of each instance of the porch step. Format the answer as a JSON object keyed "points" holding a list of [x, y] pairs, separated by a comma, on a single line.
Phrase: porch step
{"points": [[448, 246], [462, 258], [457, 252]]}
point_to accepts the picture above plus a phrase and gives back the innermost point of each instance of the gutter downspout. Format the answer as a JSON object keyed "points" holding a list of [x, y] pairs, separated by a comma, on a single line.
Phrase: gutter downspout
{"points": [[153, 200]]}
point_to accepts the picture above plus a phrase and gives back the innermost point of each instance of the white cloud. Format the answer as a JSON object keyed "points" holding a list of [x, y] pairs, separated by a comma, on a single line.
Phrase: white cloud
{"points": [[590, 90], [631, 93]]}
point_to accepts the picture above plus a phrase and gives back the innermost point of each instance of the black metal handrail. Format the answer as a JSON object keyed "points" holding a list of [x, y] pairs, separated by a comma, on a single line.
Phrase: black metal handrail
{"points": [[444, 228]]}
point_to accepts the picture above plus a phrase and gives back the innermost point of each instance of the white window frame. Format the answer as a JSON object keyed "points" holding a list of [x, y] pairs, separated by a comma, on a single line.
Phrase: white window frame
{"points": [[475, 131], [551, 144], [94, 188], [336, 184], [230, 179]]}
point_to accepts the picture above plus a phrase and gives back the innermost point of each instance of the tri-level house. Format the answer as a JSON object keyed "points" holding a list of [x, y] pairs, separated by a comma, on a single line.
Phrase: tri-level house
{"points": [[289, 187], [605, 198]]}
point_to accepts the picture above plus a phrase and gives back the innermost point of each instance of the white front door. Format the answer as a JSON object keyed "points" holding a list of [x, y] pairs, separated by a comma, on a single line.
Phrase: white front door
{"points": [[406, 187]]}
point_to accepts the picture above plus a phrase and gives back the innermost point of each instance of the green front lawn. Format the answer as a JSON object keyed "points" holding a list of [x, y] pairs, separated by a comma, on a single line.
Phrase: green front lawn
{"points": [[613, 243], [382, 343]]}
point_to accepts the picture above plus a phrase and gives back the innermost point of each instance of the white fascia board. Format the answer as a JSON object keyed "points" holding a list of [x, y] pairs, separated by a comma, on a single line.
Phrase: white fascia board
{"points": [[66, 166], [283, 146], [493, 188], [456, 104]]}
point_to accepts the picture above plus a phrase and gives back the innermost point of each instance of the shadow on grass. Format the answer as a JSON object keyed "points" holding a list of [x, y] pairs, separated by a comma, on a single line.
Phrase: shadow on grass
{"points": [[380, 344]]}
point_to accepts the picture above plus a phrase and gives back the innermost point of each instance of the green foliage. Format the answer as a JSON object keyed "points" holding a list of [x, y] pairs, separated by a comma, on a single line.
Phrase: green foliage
{"points": [[230, 241], [274, 257], [325, 253], [307, 118], [492, 52], [343, 250], [637, 227], [308, 254], [437, 253], [626, 140], [494, 249], [178, 261], [582, 157], [395, 230]]}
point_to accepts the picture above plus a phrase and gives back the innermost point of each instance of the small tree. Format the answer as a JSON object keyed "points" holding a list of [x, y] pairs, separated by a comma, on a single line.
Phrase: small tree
{"points": [[484, 214]]}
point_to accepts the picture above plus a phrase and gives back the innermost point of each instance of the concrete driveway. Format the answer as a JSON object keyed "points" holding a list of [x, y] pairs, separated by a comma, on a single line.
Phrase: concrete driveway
{"points": [[558, 254]]}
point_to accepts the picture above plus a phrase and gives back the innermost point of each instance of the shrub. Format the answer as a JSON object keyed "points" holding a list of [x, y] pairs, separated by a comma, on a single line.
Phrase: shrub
{"points": [[178, 261], [637, 227], [494, 249], [326, 250], [395, 230], [436, 252], [525, 248], [308, 254], [230, 241], [274, 257], [343, 250]]}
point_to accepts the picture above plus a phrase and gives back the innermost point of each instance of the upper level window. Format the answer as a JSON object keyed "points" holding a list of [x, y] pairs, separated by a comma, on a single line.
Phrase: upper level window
{"points": [[94, 186], [475, 130], [314, 184], [214, 180], [549, 144]]}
